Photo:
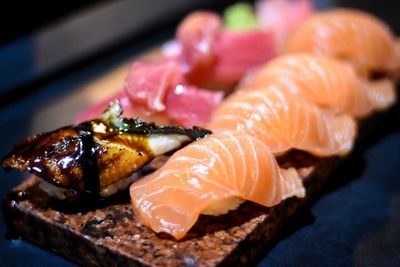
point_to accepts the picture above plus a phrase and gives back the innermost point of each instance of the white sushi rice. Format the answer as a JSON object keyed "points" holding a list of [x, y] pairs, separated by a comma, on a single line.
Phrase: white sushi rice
{"points": [[223, 206]]}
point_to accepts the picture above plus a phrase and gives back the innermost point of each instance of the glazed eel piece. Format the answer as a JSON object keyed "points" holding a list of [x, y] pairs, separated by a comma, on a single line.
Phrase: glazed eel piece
{"points": [[96, 158]]}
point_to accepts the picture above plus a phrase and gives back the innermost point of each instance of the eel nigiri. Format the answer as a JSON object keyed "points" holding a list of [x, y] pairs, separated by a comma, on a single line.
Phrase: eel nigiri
{"points": [[96, 158], [284, 121], [324, 81], [211, 176]]}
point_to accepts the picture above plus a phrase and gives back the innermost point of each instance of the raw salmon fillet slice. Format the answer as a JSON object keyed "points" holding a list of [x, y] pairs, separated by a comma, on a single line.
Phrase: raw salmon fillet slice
{"points": [[327, 82], [283, 121], [211, 176], [353, 36], [359, 39]]}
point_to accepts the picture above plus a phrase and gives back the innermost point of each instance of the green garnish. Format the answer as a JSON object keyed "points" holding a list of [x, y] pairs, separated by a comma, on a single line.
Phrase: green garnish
{"points": [[241, 17]]}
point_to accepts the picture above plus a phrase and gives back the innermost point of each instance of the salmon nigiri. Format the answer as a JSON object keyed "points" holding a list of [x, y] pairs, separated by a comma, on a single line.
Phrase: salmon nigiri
{"points": [[359, 39], [353, 36], [284, 121], [324, 81], [211, 176]]}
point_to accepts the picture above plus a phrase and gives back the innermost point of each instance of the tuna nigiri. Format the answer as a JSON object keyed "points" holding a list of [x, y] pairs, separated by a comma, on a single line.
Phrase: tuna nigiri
{"points": [[211, 176], [284, 121], [324, 81]]}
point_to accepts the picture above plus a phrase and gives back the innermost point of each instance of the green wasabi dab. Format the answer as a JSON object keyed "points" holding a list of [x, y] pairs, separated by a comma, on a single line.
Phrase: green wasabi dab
{"points": [[240, 17]]}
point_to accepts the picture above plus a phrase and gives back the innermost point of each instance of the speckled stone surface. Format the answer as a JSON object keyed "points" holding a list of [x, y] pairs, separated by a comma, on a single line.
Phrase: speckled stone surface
{"points": [[109, 235]]}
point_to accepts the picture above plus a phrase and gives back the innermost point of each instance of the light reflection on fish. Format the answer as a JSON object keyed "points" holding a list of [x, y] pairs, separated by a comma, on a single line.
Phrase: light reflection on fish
{"points": [[96, 158]]}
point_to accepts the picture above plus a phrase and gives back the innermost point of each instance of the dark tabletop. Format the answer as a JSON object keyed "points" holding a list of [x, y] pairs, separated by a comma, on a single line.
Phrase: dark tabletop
{"points": [[354, 222]]}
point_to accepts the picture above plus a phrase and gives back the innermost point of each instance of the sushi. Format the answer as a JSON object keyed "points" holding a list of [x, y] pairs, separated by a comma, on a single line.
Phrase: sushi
{"points": [[352, 36], [301, 102], [215, 174], [357, 39], [326, 82], [211, 176], [96, 159], [285, 121]]}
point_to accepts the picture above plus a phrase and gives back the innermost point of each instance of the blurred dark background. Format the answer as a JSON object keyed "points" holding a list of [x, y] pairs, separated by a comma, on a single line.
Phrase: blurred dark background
{"points": [[23, 17], [41, 41], [50, 48]]}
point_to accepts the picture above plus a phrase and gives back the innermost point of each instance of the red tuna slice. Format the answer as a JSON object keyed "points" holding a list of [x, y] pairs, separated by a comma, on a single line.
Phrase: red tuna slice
{"points": [[197, 34], [240, 51], [188, 105], [95, 111], [147, 83], [282, 16], [129, 110]]}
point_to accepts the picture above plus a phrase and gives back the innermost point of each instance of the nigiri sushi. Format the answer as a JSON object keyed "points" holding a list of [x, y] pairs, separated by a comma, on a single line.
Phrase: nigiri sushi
{"points": [[285, 121], [96, 158], [358, 39], [353, 36], [327, 82], [211, 176]]}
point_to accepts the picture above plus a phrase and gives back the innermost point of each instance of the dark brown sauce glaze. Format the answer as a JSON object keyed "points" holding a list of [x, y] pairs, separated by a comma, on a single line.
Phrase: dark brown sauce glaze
{"points": [[53, 156], [88, 160]]}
